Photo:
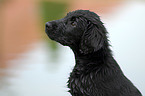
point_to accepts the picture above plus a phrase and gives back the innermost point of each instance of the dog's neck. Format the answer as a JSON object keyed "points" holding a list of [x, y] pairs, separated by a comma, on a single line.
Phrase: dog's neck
{"points": [[88, 62], [99, 56]]}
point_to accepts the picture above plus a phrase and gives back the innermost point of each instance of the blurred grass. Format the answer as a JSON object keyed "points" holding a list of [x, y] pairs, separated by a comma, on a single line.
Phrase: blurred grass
{"points": [[52, 11]]}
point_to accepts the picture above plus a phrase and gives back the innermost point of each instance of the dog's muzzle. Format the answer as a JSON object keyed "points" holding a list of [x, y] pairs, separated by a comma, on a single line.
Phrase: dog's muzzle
{"points": [[48, 26]]}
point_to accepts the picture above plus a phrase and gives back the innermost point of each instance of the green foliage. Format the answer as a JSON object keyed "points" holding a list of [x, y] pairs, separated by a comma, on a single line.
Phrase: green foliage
{"points": [[52, 11]]}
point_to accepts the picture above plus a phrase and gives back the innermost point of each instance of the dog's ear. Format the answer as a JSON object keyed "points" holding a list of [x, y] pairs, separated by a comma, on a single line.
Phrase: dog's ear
{"points": [[92, 39]]}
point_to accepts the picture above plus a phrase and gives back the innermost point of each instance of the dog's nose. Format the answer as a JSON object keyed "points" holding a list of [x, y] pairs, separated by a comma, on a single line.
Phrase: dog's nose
{"points": [[48, 25]]}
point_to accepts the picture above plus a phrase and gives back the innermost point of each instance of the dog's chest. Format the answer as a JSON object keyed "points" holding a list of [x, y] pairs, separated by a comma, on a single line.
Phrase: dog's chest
{"points": [[81, 84], [88, 84]]}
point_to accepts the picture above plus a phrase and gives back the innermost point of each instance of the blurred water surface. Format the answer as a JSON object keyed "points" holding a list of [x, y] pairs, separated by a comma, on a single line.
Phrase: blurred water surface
{"points": [[34, 73]]}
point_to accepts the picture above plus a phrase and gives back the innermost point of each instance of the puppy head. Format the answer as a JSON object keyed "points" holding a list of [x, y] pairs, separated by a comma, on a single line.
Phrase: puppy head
{"points": [[81, 29], [66, 31]]}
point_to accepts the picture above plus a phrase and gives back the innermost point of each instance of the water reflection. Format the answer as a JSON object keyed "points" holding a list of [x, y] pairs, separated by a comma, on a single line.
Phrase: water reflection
{"points": [[20, 50], [37, 75]]}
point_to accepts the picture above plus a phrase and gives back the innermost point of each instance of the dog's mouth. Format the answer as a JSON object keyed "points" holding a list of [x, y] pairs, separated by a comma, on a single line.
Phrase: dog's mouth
{"points": [[56, 37], [50, 34], [48, 27], [49, 30], [55, 33]]}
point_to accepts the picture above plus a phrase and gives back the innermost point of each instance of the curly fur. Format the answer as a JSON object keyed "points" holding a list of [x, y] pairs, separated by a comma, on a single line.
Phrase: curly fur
{"points": [[96, 73]]}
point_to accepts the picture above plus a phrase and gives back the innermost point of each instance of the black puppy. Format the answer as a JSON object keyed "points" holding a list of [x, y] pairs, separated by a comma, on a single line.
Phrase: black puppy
{"points": [[96, 73]]}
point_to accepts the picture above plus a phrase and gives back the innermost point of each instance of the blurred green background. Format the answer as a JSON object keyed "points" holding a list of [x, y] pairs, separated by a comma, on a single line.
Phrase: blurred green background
{"points": [[59, 10]]}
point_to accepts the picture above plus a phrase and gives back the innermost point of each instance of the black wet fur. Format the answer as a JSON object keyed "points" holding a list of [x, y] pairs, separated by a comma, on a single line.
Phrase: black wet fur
{"points": [[96, 73]]}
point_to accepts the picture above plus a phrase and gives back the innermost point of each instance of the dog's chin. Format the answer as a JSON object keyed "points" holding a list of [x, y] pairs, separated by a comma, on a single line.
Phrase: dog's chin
{"points": [[55, 37], [52, 37], [50, 34], [62, 43]]}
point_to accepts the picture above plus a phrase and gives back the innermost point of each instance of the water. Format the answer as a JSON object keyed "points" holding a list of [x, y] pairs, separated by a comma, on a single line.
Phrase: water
{"points": [[35, 74]]}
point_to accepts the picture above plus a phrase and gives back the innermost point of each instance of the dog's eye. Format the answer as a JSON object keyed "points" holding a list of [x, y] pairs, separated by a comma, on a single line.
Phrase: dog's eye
{"points": [[73, 23]]}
